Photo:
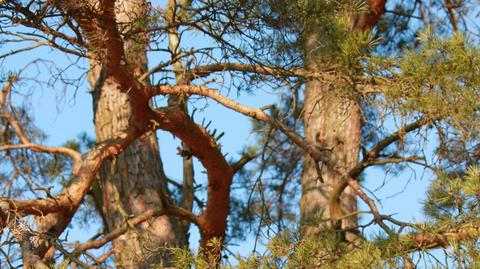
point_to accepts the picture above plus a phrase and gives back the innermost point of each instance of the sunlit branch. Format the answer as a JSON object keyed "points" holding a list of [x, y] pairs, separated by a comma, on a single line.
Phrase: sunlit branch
{"points": [[206, 70], [317, 154], [244, 160], [104, 256], [13, 52], [397, 160], [213, 222], [441, 238], [255, 113]]}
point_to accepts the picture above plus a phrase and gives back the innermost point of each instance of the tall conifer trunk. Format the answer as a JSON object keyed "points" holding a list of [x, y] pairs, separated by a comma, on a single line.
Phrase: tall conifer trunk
{"points": [[134, 181], [332, 119]]}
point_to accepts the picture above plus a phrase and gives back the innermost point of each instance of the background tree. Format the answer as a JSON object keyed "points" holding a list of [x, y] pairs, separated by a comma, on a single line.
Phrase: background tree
{"points": [[345, 58]]}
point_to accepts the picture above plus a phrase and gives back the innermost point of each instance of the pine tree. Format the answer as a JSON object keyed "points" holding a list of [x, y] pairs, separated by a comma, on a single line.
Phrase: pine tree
{"points": [[341, 71]]}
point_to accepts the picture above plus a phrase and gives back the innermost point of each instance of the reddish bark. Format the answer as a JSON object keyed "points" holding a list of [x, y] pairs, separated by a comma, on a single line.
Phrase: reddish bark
{"points": [[367, 20], [102, 32], [213, 221], [56, 213]]}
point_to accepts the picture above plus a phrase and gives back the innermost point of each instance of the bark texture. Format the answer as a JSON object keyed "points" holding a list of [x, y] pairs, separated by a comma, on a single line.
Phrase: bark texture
{"points": [[134, 181], [332, 119]]}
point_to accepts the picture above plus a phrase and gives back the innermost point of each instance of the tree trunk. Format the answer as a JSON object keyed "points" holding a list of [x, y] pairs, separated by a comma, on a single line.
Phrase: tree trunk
{"points": [[332, 119], [135, 180]]}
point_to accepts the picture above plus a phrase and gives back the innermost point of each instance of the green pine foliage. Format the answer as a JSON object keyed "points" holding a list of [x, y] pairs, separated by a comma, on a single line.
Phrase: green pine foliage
{"points": [[436, 77], [440, 78], [452, 198]]}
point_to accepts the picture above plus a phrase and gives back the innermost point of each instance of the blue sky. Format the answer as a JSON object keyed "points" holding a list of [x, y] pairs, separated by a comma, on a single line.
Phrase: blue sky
{"points": [[64, 113]]}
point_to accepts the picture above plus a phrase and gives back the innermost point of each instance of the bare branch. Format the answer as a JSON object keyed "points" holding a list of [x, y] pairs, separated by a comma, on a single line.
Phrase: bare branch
{"points": [[378, 217], [372, 155], [397, 160], [149, 214], [206, 70], [40, 41], [6, 90], [255, 113], [246, 158], [13, 52], [70, 256], [451, 14], [370, 159]]}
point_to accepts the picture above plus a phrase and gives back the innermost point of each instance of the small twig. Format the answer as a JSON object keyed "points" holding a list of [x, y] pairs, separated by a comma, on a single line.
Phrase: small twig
{"points": [[378, 217], [246, 158]]}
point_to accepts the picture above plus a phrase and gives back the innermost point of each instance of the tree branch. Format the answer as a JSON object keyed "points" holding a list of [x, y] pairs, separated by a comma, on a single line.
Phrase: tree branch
{"points": [[255, 113], [149, 214], [376, 214], [213, 221], [27, 144], [246, 158], [206, 70], [317, 154], [370, 159], [71, 197], [440, 239], [451, 14], [372, 155]]}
